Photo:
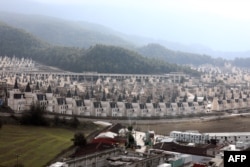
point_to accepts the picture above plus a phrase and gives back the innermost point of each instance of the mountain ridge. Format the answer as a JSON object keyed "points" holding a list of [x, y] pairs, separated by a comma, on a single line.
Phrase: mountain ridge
{"points": [[99, 58]]}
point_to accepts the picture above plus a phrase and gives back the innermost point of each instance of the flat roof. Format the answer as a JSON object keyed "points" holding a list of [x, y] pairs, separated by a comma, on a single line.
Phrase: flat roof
{"points": [[228, 134]]}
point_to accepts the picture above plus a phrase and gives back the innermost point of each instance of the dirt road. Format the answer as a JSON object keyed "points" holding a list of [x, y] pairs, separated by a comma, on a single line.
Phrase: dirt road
{"points": [[234, 124]]}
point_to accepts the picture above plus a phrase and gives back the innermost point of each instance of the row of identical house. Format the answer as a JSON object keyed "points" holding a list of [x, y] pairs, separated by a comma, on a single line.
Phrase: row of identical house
{"points": [[72, 104]]}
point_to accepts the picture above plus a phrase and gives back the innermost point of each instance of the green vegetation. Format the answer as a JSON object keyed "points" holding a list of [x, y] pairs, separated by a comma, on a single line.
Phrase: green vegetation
{"points": [[160, 52], [99, 58], [79, 139], [34, 117], [35, 145], [242, 62]]}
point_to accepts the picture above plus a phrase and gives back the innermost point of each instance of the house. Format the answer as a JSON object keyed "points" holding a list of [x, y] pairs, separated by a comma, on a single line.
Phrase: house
{"points": [[16, 100], [115, 111], [41, 101], [158, 112], [61, 106], [144, 112], [80, 108], [129, 110], [98, 110], [136, 109]]}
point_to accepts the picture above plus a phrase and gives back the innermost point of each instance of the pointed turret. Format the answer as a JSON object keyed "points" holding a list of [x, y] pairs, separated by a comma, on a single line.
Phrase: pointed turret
{"points": [[49, 90], [37, 86], [68, 93], [16, 85], [28, 89], [75, 93]]}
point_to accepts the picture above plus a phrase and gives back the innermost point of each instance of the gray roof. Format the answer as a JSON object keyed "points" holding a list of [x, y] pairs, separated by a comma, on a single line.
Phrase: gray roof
{"points": [[28, 89], [80, 103], [41, 97], [113, 104], [18, 95], [128, 105], [61, 101], [97, 104]]}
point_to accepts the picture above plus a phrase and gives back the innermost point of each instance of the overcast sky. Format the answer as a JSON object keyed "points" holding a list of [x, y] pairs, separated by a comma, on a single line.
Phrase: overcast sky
{"points": [[219, 24]]}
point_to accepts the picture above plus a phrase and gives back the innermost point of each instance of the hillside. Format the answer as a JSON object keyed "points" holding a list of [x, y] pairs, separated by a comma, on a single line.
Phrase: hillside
{"points": [[62, 32], [14, 41], [59, 32], [109, 58], [99, 58], [160, 52]]}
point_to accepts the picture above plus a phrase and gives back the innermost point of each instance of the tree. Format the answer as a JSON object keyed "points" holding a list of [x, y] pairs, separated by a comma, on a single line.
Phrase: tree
{"points": [[130, 138], [74, 122], [56, 120], [131, 141], [79, 139], [130, 128], [34, 117]]}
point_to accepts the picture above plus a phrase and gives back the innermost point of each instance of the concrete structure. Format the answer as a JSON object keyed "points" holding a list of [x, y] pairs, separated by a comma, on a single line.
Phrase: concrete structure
{"points": [[202, 138]]}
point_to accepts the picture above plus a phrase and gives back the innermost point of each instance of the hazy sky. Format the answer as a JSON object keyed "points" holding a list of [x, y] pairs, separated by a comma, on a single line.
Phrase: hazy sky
{"points": [[219, 24]]}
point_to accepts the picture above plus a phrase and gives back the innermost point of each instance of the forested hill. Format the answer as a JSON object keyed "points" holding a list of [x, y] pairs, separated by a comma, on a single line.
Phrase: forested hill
{"points": [[109, 59], [160, 52], [99, 58], [65, 33], [62, 32], [14, 41]]}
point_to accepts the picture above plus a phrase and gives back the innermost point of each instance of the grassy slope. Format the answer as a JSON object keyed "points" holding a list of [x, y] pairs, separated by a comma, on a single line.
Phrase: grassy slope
{"points": [[36, 145]]}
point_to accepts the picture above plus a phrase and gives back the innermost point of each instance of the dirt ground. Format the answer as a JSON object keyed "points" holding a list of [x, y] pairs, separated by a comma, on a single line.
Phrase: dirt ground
{"points": [[236, 124]]}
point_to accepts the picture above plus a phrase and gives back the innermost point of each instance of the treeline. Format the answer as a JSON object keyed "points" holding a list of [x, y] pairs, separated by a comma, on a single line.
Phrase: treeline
{"points": [[160, 52], [242, 62], [99, 58]]}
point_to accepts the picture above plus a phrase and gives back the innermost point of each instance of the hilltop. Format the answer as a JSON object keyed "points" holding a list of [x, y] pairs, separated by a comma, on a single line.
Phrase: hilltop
{"points": [[98, 58], [61, 32]]}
